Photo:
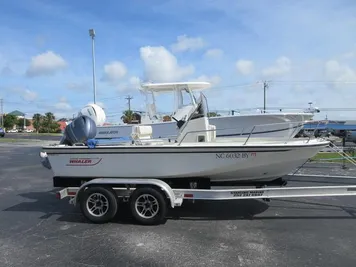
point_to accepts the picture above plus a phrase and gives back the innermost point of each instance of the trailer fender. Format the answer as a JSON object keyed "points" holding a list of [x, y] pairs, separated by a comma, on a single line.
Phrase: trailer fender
{"points": [[120, 182]]}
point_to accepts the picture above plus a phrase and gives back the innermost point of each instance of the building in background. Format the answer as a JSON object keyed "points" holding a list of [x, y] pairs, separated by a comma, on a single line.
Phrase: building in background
{"points": [[17, 113], [20, 115]]}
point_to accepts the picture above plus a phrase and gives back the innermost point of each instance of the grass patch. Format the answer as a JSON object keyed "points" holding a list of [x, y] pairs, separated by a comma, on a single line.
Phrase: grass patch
{"points": [[330, 157], [48, 134], [41, 134]]}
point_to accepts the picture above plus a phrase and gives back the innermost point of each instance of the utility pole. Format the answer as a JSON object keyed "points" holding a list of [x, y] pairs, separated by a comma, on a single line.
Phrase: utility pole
{"points": [[128, 98], [2, 112], [265, 86], [92, 35]]}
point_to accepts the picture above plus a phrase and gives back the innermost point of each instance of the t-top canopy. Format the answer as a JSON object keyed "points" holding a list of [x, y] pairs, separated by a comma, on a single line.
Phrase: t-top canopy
{"points": [[169, 87]]}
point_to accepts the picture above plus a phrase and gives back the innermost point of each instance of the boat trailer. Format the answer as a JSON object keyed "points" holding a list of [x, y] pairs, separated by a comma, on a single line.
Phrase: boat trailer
{"points": [[150, 199]]}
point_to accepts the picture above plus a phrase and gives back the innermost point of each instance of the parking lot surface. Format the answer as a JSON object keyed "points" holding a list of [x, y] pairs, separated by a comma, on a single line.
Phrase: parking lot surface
{"points": [[36, 229]]}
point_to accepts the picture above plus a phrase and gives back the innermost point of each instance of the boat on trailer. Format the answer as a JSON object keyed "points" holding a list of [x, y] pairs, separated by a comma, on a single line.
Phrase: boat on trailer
{"points": [[98, 176], [264, 125], [195, 155]]}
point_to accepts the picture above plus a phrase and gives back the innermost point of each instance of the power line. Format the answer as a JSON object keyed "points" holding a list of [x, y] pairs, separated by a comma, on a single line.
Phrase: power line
{"points": [[266, 85], [345, 82], [213, 88]]}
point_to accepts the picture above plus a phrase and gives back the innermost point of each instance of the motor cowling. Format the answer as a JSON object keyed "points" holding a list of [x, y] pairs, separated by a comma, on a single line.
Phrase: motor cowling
{"points": [[94, 112], [79, 130]]}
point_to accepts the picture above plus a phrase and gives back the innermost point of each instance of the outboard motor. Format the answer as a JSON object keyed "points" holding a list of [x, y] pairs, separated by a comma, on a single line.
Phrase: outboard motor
{"points": [[79, 130], [94, 112]]}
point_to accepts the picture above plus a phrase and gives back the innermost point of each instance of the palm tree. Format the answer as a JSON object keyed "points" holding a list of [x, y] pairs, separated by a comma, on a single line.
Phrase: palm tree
{"points": [[49, 119], [213, 114], [128, 116], [37, 120], [167, 118]]}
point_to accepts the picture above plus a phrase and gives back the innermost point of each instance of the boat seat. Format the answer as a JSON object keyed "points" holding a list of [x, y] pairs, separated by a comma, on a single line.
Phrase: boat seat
{"points": [[142, 135], [141, 132], [212, 132]]}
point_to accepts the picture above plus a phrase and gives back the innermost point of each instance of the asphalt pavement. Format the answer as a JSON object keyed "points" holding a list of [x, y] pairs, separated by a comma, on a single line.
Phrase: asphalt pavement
{"points": [[36, 229], [32, 136]]}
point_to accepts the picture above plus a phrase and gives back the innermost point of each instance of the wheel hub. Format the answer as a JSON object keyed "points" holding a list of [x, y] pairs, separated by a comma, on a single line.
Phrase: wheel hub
{"points": [[97, 205], [147, 206]]}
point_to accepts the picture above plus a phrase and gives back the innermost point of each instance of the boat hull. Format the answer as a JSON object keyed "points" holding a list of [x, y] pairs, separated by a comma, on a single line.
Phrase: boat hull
{"points": [[277, 125], [218, 163]]}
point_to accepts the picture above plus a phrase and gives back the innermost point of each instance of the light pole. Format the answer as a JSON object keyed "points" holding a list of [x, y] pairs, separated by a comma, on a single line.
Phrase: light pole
{"points": [[265, 87], [92, 35]]}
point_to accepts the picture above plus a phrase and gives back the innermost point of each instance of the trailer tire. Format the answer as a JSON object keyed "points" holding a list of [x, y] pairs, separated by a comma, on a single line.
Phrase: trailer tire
{"points": [[148, 199], [99, 197]]}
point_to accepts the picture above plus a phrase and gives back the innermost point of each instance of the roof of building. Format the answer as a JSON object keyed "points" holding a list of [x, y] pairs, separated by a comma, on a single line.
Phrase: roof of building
{"points": [[17, 113], [62, 124]]}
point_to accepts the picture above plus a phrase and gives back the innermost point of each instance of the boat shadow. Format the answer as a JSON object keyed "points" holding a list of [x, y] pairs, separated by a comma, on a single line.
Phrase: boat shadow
{"points": [[249, 209]]}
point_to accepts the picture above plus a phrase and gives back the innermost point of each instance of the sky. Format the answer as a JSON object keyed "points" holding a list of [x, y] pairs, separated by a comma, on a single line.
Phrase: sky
{"points": [[306, 50]]}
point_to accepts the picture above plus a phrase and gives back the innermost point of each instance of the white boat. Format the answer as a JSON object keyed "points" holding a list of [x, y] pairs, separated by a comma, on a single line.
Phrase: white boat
{"points": [[195, 154], [282, 125]]}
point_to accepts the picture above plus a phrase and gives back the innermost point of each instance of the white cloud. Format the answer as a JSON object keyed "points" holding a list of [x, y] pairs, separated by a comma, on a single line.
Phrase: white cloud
{"points": [[162, 66], [79, 87], [63, 99], [282, 66], [348, 55], [244, 67], [63, 105], [132, 84], [214, 80], [114, 71], [135, 81], [47, 63], [214, 53], [24, 93], [341, 74], [29, 95], [185, 43]]}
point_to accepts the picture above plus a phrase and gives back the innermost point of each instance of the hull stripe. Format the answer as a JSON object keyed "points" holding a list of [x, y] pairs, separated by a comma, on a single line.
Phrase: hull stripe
{"points": [[160, 150]]}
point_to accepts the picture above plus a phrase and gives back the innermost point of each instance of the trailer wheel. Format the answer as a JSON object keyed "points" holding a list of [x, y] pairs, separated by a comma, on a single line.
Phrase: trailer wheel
{"points": [[98, 204], [148, 206]]}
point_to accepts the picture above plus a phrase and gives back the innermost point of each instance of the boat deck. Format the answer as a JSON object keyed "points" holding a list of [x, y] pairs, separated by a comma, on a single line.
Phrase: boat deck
{"points": [[220, 142]]}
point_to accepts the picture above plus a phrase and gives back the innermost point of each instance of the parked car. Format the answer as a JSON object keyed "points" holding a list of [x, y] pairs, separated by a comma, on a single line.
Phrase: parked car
{"points": [[13, 131], [2, 132]]}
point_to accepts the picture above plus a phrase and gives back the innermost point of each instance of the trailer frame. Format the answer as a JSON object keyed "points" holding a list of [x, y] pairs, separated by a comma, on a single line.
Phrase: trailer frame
{"points": [[164, 197]]}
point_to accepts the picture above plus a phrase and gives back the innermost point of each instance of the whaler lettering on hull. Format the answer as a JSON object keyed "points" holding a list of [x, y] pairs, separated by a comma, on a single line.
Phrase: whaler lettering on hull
{"points": [[83, 161], [236, 155]]}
